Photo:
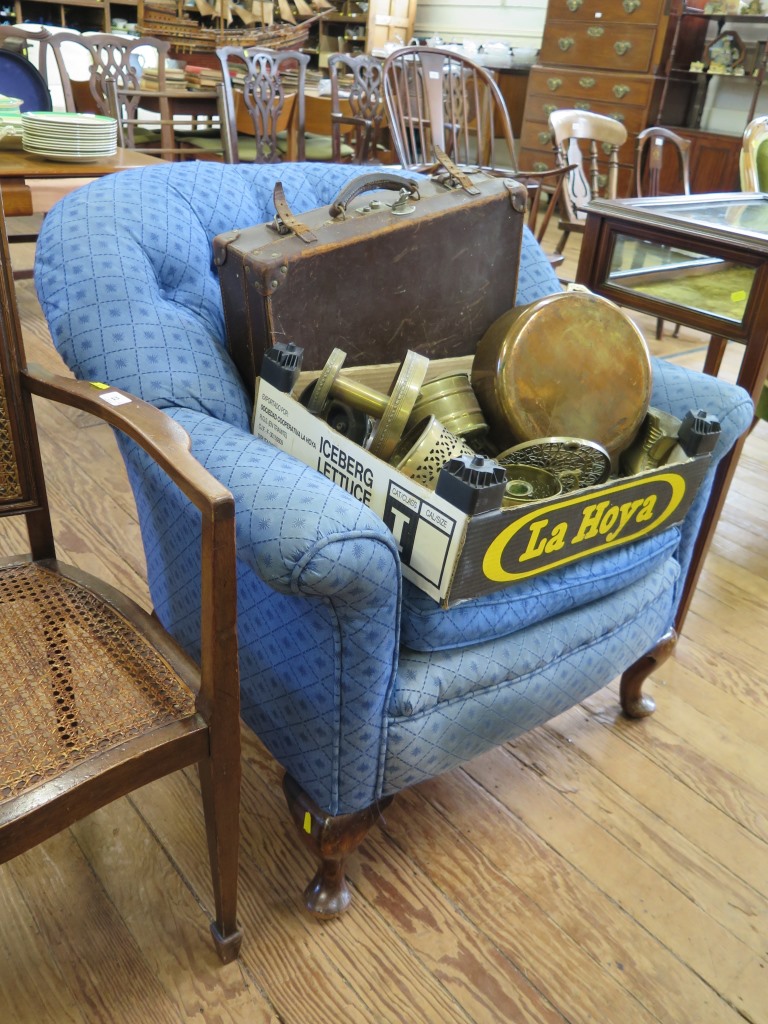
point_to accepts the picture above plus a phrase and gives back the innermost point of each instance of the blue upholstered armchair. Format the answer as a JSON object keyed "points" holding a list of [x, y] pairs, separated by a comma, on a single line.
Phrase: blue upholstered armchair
{"points": [[357, 682]]}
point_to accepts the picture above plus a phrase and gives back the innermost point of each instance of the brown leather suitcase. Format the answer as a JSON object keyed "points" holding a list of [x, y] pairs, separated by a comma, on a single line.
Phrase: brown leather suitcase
{"points": [[393, 264]]}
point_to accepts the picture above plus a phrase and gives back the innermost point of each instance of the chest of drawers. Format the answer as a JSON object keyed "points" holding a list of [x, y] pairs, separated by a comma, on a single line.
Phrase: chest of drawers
{"points": [[597, 56]]}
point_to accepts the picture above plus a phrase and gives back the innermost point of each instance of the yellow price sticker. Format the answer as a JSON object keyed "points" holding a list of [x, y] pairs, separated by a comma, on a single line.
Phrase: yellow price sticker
{"points": [[101, 387], [738, 296]]}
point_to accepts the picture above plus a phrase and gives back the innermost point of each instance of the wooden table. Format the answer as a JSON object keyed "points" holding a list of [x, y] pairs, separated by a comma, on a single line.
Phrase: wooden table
{"points": [[170, 104], [698, 260], [17, 166]]}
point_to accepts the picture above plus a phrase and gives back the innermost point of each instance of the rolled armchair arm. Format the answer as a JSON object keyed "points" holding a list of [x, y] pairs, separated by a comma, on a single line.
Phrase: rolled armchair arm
{"points": [[300, 532]]}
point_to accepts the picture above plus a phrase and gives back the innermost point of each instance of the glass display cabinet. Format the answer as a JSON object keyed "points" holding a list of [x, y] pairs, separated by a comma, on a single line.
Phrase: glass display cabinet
{"points": [[699, 260]]}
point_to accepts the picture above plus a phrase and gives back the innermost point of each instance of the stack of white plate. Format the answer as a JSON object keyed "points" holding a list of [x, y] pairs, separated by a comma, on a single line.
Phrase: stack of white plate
{"points": [[70, 138]]}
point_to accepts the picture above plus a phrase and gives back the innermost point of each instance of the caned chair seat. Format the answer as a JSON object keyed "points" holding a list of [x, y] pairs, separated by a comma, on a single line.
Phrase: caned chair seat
{"points": [[54, 721]]}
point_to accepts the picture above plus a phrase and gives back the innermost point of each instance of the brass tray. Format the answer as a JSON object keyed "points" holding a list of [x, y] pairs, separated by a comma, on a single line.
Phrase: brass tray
{"points": [[572, 364]]}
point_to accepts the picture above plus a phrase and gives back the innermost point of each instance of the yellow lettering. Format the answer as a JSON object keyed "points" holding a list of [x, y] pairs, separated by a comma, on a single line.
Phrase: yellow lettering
{"points": [[590, 522], [628, 509], [557, 541], [610, 517], [534, 548], [645, 515]]}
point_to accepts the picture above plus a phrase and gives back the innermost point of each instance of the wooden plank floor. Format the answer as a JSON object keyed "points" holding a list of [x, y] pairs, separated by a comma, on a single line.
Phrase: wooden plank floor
{"points": [[595, 870]]}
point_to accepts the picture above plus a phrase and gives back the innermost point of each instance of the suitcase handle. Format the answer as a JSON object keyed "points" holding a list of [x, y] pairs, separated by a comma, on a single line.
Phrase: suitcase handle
{"points": [[369, 183]]}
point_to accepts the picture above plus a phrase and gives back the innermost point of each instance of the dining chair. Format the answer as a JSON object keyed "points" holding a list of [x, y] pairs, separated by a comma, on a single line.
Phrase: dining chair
{"points": [[439, 99], [652, 145], [589, 144], [357, 106], [271, 85], [114, 87], [96, 698]]}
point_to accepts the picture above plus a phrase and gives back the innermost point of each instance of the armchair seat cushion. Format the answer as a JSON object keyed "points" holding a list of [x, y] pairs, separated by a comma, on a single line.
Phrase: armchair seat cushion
{"points": [[449, 706], [427, 627]]}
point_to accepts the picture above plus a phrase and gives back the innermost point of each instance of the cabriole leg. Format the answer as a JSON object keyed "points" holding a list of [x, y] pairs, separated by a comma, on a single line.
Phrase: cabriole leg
{"points": [[634, 703], [331, 839]]}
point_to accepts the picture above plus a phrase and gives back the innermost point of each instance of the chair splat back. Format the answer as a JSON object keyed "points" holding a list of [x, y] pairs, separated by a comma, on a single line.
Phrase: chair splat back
{"points": [[584, 142], [273, 84], [358, 115], [437, 98], [651, 147]]}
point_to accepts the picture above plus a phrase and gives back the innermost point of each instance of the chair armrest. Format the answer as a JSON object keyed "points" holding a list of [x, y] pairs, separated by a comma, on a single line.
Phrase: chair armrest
{"points": [[168, 446], [161, 437], [678, 390]]}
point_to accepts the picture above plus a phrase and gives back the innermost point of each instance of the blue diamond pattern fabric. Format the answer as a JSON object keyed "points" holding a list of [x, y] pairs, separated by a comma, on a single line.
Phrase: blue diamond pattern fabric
{"points": [[357, 683]]}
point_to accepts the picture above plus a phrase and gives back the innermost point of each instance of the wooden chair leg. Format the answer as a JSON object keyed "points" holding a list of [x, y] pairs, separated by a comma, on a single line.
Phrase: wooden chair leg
{"points": [[634, 703], [221, 803], [331, 839], [714, 356]]}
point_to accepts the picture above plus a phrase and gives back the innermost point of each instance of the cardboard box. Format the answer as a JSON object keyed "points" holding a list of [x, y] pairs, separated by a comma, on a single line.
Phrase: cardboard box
{"points": [[451, 555]]}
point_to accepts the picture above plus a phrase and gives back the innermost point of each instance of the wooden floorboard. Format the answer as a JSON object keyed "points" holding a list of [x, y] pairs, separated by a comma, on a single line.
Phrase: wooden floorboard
{"points": [[594, 870]]}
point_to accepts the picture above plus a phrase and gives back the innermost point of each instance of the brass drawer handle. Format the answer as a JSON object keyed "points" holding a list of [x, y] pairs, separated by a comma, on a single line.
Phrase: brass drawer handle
{"points": [[548, 108], [565, 43], [540, 166], [617, 117], [582, 105], [620, 91], [595, 31], [573, 5], [630, 6], [622, 47], [553, 84], [587, 83], [545, 137]]}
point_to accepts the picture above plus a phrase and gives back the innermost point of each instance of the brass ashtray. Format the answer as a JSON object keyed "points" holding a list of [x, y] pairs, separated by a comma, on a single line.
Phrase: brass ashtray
{"points": [[528, 483]]}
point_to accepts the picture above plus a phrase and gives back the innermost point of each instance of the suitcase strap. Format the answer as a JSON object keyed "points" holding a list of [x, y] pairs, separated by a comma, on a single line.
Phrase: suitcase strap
{"points": [[456, 177], [286, 222]]}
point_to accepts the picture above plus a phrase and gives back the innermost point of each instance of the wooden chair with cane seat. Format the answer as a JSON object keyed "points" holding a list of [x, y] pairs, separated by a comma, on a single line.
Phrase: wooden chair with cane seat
{"points": [[438, 98], [96, 699], [584, 141]]}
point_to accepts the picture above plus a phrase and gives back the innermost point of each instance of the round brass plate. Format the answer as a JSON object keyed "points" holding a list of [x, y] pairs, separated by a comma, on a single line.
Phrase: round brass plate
{"points": [[576, 463], [322, 389], [572, 364]]}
